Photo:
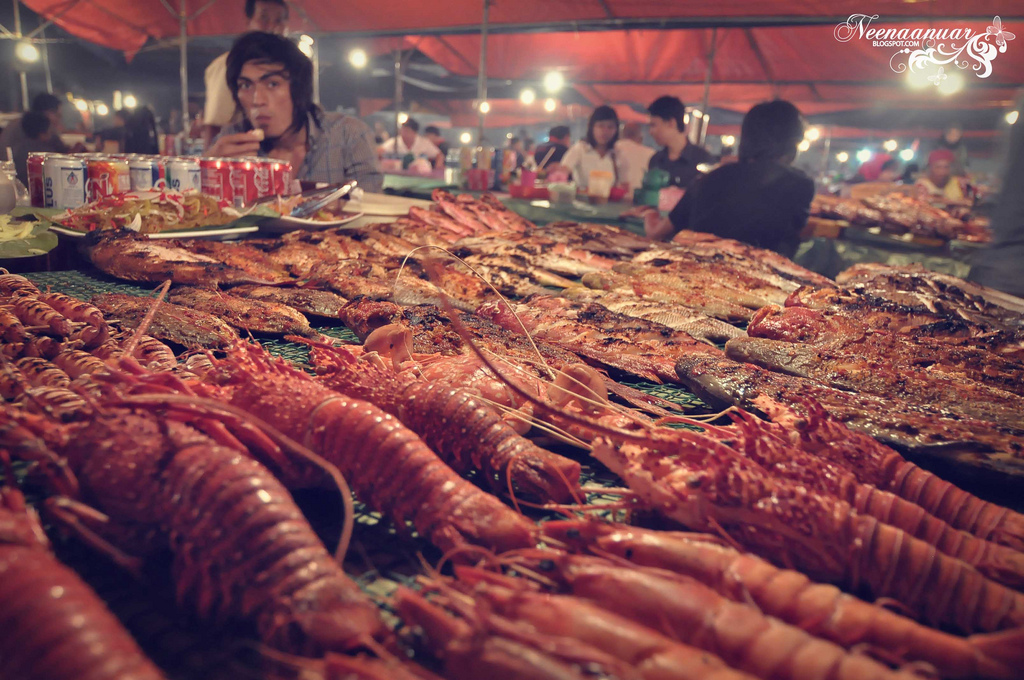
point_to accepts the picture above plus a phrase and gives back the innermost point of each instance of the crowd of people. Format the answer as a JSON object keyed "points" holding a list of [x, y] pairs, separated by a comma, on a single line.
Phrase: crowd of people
{"points": [[259, 101]]}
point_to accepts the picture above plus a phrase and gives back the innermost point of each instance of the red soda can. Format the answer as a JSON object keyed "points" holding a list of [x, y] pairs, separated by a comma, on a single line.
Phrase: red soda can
{"points": [[281, 178], [216, 179], [106, 177], [35, 178], [243, 182], [262, 176]]}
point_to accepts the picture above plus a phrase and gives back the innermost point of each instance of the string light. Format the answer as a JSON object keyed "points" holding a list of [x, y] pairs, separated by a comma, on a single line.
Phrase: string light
{"points": [[907, 155], [864, 155], [465, 138], [890, 145], [485, 107], [358, 58], [27, 52], [842, 156], [527, 96], [554, 82], [550, 105], [130, 102]]}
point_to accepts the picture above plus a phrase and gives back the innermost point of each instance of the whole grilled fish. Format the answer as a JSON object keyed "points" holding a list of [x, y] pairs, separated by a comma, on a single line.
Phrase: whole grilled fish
{"points": [[890, 420], [174, 323], [256, 316], [310, 302], [848, 371]]}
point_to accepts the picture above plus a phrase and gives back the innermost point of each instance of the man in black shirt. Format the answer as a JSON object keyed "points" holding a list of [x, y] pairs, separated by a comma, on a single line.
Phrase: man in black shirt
{"points": [[558, 139], [433, 133], [678, 157], [760, 199]]}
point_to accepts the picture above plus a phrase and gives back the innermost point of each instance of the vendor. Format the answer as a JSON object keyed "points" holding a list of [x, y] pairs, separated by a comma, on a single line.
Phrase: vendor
{"points": [[677, 156], [938, 181], [596, 153], [265, 16], [409, 141], [271, 82], [760, 199]]}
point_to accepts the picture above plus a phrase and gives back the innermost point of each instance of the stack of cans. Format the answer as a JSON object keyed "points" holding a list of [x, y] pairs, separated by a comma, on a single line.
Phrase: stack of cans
{"points": [[70, 180], [243, 181]]}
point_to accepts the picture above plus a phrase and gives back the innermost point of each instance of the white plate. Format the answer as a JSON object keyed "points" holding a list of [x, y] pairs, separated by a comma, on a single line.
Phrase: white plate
{"points": [[384, 204], [212, 233], [285, 223]]}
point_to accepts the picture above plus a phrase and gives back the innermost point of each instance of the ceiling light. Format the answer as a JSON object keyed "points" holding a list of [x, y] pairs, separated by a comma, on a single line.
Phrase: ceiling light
{"points": [[26, 51], [550, 105], [485, 107], [812, 134], [890, 145], [358, 58], [465, 138], [1011, 117], [527, 96], [907, 155], [130, 102], [81, 105], [101, 109], [864, 155], [554, 81], [842, 156]]}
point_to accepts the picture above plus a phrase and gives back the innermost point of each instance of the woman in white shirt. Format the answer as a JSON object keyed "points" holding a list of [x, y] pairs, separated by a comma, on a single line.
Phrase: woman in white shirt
{"points": [[596, 153]]}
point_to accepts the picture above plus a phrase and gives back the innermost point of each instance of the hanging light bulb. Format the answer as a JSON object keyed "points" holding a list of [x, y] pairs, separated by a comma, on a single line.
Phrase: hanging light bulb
{"points": [[554, 82], [465, 138], [527, 96], [550, 105]]}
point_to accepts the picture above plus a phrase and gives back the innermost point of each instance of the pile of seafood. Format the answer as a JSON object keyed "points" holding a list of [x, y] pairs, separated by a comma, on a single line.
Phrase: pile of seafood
{"points": [[495, 367], [897, 213]]}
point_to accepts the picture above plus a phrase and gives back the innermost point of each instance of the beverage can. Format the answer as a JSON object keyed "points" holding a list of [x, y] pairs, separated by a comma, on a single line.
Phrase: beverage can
{"points": [[106, 177], [262, 176], [281, 178], [243, 182], [144, 173], [34, 167], [216, 179], [63, 182], [184, 175]]}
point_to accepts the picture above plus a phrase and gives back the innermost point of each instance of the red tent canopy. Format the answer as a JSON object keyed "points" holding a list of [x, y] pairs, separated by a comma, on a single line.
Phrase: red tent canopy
{"points": [[805, 64]]}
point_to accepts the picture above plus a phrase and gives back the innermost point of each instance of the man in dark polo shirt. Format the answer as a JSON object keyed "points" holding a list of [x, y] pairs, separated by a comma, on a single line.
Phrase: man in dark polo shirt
{"points": [[678, 157], [558, 139], [761, 199]]}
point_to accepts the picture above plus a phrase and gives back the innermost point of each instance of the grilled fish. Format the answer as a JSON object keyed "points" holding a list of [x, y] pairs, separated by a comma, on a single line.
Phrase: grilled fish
{"points": [[256, 316], [173, 323], [310, 302]]}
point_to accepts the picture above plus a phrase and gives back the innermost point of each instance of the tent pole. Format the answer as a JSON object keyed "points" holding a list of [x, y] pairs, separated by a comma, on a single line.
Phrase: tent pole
{"points": [[46, 63], [21, 71], [481, 78], [316, 72], [186, 119], [703, 129], [398, 96]]}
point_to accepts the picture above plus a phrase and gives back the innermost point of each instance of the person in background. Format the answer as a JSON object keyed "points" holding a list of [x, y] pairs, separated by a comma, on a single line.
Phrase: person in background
{"points": [[760, 199], [953, 140], [677, 156], [174, 123], [910, 173], [265, 16], [938, 181], [879, 168], [631, 146], [433, 133], [271, 82], [515, 145], [43, 103], [143, 136], [380, 133], [409, 141], [557, 145], [597, 151], [36, 136], [114, 138], [1001, 263]]}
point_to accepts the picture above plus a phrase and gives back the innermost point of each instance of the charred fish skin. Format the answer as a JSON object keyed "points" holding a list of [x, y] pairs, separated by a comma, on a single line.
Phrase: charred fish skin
{"points": [[908, 428], [173, 323], [320, 303], [845, 371], [256, 316]]}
